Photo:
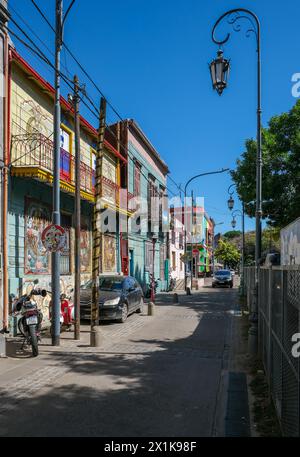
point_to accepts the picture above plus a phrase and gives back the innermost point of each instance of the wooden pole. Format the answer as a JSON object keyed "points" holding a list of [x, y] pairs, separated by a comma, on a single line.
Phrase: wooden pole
{"points": [[95, 335]]}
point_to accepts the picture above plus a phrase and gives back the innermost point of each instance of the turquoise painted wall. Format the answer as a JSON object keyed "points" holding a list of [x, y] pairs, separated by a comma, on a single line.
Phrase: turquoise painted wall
{"points": [[19, 189], [137, 242]]}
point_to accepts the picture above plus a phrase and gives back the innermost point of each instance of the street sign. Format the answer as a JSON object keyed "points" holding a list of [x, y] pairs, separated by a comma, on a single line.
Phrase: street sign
{"points": [[54, 238]]}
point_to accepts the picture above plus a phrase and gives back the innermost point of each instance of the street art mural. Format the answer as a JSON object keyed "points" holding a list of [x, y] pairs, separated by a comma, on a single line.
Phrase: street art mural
{"points": [[290, 244], [109, 253], [37, 218], [85, 250]]}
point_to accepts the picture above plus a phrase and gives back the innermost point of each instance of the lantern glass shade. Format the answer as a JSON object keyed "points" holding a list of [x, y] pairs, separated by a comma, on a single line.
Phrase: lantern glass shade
{"points": [[230, 203], [233, 223], [219, 71]]}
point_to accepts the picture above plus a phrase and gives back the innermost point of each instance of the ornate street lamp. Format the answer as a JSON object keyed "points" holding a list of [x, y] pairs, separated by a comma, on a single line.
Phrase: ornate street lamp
{"points": [[234, 18], [219, 71], [230, 203], [233, 223]]}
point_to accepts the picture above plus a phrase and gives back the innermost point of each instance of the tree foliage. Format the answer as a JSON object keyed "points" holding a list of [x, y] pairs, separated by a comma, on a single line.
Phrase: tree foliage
{"points": [[227, 253], [232, 234], [281, 170]]}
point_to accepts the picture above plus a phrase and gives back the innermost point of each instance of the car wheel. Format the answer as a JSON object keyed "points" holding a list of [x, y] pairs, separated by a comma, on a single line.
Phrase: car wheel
{"points": [[124, 313], [141, 306]]}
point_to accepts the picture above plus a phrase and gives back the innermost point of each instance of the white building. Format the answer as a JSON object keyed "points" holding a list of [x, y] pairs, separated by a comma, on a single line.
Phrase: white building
{"points": [[176, 246]]}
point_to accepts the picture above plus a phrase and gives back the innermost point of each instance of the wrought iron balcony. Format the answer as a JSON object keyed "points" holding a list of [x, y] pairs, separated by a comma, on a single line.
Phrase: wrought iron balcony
{"points": [[32, 156]]}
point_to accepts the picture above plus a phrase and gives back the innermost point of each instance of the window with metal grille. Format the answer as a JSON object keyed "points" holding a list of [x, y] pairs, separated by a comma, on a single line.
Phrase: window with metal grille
{"points": [[137, 179], [65, 255], [148, 256], [162, 261]]}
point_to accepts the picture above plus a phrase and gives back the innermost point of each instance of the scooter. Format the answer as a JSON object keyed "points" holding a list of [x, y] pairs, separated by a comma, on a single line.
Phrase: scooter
{"points": [[67, 312], [29, 324]]}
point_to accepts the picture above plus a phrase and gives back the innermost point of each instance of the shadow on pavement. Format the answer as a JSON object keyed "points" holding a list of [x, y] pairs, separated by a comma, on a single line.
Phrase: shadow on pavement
{"points": [[147, 387]]}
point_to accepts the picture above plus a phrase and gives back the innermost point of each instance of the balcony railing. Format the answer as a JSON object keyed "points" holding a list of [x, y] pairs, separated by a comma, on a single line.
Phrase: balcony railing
{"points": [[35, 151]]}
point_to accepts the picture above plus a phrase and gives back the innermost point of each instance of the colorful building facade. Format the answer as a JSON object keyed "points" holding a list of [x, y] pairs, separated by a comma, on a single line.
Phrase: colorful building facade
{"points": [[30, 186], [146, 178]]}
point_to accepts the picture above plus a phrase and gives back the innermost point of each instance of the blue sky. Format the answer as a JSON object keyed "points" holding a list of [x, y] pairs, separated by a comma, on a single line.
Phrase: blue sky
{"points": [[150, 58]]}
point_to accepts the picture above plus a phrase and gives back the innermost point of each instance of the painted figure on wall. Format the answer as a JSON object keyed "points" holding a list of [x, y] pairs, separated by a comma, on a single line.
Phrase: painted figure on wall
{"points": [[85, 251], [109, 253], [37, 217]]}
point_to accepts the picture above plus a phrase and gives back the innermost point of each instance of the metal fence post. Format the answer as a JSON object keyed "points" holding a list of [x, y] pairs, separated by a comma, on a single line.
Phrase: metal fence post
{"points": [[269, 347]]}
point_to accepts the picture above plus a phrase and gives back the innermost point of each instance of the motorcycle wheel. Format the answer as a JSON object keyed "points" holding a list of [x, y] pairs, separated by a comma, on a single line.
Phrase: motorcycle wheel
{"points": [[34, 340]]}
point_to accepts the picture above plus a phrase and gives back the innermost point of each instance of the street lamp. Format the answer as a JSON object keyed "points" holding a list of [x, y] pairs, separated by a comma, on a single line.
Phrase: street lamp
{"points": [[242, 214], [233, 17], [185, 213], [214, 245], [219, 70]]}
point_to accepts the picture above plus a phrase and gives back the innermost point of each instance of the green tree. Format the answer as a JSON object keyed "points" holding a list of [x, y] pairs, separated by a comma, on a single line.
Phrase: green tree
{"points": [[281, 170], [232, 234], [227, 253]]}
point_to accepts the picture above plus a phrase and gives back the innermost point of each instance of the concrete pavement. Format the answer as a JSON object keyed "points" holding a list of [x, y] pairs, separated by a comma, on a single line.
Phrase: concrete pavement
{"points": [[164, 375]]}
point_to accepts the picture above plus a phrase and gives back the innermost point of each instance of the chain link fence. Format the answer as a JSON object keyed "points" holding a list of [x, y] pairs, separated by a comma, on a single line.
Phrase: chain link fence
{"points": [[278, 326]]}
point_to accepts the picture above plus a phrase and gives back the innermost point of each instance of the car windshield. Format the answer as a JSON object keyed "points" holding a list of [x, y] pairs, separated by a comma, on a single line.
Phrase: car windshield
{"points": [[106, 284], [111, 283], [223, 273]]}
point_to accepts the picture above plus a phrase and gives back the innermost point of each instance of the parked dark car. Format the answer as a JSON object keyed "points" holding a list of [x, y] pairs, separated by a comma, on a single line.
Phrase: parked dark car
{"points": [[119, 296], [222, 278]]}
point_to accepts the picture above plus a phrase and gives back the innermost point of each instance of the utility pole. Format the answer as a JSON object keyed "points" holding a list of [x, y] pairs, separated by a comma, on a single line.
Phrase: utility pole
{"points": [[192, 239], [95, 334], [55, 274], [77, 211]]}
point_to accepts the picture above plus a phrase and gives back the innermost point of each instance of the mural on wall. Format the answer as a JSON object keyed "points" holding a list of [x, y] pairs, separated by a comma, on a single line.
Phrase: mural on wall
{"points": [[37, 218], [85, 248], [37, 120], [43, 303], [290, 244], [109, 253]]}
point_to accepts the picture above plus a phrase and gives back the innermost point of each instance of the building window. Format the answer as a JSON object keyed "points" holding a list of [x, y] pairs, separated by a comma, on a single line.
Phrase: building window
{"points": [[173, 238], [180, 241], [65, 154], [162, 261], [174, 260], [137, 179], [148, 256], [65, 255]]}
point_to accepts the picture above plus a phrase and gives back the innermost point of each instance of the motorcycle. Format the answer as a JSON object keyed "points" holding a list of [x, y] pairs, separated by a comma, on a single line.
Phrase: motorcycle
{"points": [[172, 284], [31, 318], [149, 286], [67, 312]]}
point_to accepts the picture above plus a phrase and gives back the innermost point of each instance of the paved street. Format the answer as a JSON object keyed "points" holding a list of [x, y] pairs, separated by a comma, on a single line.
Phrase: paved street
{"points": [[153, 376]]}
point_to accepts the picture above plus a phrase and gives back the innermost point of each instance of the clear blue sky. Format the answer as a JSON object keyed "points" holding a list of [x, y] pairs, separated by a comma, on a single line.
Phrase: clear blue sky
{"points": [[150, 58]]}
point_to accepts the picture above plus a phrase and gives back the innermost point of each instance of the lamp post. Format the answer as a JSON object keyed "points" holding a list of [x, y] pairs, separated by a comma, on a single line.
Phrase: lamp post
{"points": [[185, 212], [233, 223], [219, 69], [213, 249]]}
